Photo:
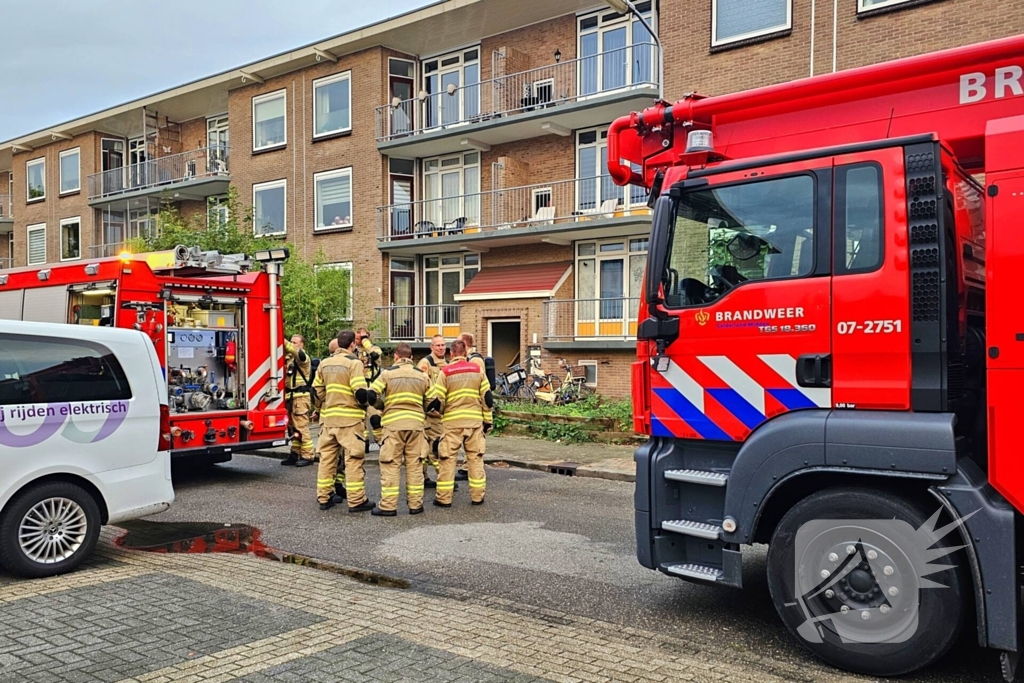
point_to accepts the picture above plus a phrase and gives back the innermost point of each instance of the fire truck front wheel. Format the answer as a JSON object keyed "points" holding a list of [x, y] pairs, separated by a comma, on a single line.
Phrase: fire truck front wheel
{"points": [[856, 576]]}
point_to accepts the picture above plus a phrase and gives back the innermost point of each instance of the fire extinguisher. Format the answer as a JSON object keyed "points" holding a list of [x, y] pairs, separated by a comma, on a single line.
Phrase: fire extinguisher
{"points": [[229, 354]]}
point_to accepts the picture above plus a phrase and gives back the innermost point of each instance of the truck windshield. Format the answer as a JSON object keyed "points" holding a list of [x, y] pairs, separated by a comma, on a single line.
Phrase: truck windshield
{"points": [[722, 237]]}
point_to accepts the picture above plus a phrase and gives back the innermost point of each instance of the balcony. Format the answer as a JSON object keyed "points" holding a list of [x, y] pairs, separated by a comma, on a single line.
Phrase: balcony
{"points": [[6, 215], [417, 324], [553, 99], [558, 212], [6, 263], [193, 175], [595, 323]]}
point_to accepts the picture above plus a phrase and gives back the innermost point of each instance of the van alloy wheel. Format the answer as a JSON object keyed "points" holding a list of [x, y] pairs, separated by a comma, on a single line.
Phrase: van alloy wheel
{"points": [[52, 530]]}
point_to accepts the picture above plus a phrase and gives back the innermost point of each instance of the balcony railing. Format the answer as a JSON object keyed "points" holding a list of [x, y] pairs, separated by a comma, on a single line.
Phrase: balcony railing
{"points": [[419, 323], [6, 212], [6, 263], [554, 85], [564, 201], [584, 319], [208, 162]]}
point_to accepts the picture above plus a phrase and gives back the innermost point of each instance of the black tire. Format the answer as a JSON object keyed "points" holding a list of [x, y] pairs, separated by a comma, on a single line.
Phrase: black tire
{"points": [[78, 535], [526, 392], [908, 644]]}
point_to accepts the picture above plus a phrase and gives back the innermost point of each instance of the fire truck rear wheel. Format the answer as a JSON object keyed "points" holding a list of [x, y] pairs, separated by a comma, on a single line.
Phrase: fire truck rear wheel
{"points": [[855, 592]]}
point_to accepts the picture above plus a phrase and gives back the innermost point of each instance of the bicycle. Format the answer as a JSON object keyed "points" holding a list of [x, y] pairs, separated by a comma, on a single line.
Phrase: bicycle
{"points": [[513, 384], [572, 388]]}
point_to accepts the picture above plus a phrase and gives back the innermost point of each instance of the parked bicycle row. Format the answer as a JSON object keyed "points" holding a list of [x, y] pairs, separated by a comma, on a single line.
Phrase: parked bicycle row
{"points": [[518, 384]]}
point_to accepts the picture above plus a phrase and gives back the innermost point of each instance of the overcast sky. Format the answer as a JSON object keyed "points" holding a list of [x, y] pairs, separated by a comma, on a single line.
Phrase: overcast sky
{"points": [[60, 59]]}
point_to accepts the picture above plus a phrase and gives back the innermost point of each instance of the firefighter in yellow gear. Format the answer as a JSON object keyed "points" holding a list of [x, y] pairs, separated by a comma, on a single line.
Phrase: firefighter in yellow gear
{"points": [[432, 364], [465, 399], [342, 393], [370, 354], [339, 475], [298, 401], [476, 359], [406, 392]]}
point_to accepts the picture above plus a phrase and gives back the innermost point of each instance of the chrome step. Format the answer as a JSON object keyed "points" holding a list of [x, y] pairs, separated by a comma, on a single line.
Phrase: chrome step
{"points": [[695, 571], [691, 528], [698, 477]]}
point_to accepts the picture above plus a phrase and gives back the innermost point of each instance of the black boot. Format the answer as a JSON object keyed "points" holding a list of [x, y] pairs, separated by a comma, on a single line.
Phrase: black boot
{"points": [[416, 511], [302, 462], [462, 475], [377, 512], [331, 502], [441, 505], [428, 484], [340, 492], [291, 459], [362, 507]]}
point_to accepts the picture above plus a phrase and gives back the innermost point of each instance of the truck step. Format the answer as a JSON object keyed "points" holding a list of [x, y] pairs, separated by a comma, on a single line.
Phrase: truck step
{"points": [[695, 571], [691, 528], [698, 477]]}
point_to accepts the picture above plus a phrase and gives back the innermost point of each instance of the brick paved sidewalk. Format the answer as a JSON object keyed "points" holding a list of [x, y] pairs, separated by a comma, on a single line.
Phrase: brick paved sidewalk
{"points": [[132, 616]]}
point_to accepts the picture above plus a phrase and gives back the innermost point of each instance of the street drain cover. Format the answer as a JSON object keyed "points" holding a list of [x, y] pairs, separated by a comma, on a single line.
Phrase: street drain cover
{"points": [[566, 468]]}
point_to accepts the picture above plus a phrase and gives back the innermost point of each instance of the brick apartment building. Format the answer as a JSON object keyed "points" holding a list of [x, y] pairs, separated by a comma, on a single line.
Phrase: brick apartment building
{"points": [[452, 157]]}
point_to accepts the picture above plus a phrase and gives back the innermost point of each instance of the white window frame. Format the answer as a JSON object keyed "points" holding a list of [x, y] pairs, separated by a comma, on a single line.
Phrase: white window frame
{"points": [[589, 364], [259, 99], [217, 204], [885, 3], [750, 34], [77, 151], [329, 80], [605, 23], [441, 268], [35, 227], [77, 220], [327, 175], [435, 100], [343, 265], [625, 195], [625, 255], [433, 207], [28, 186], [269, 185]]}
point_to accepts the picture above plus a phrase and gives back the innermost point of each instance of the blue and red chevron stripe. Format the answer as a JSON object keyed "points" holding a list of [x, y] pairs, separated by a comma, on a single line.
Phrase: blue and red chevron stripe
{"points": [[724, 398]]}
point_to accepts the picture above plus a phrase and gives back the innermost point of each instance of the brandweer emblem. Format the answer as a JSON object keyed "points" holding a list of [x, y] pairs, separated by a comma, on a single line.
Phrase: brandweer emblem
{"points": [[702, 318]]}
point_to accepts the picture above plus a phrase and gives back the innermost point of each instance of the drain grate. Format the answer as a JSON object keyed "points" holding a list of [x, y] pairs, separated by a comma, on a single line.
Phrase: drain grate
{"points": [[567, 469]]}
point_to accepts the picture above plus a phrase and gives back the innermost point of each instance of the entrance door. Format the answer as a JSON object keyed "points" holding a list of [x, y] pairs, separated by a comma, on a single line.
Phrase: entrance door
{"points": [[112, 164], [401, 220], [403, 311], [400, 89], [217, 141], [503, 343], [748, 277], [137, 169]]}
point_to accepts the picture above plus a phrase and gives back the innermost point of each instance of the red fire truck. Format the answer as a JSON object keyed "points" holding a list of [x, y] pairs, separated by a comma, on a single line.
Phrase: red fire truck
{"points": [[830, 329], [215, 323]]}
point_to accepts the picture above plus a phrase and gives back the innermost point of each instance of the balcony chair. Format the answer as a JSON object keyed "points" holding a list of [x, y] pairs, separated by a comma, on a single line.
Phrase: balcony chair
{"points": [[455, 227], [425, 229], [545, 215]]}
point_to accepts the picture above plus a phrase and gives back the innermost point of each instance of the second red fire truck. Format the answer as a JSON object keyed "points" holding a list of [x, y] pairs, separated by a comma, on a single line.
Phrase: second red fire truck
{"points": [[215, 322], [831, 330]]}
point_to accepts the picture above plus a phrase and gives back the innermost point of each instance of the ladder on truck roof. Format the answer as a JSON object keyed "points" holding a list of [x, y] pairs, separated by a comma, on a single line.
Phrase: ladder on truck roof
{"points": [[185, 261]]}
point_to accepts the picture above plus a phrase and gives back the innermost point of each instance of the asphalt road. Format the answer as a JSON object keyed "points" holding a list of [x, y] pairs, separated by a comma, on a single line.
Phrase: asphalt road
{"points": [[541, 540]]}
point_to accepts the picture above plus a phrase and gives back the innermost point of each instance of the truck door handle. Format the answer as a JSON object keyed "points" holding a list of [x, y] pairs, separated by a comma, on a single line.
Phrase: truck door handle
{"points": [[814, 370]]}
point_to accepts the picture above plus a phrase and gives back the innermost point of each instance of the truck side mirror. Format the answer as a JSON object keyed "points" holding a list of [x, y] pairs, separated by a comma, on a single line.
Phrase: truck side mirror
{"points": [[657, 253]]}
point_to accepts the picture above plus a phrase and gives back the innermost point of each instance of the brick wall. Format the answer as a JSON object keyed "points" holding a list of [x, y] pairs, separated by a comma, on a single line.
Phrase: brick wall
{"points": [[303, 157], [691, 64], [55, 206]]}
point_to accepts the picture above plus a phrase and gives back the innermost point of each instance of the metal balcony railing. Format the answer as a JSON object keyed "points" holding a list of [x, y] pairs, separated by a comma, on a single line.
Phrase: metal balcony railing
{"points": [[207, 162], [6, 263], [564, 201], [6, 212], [583, 319], [573, 80], [419, 323]]}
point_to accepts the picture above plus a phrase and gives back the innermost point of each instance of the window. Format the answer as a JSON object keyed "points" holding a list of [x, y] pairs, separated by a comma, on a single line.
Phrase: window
{"points": [[735, 20], [332, 105], [865, 5], [333, 197], [596, 192], [451, 192], [615, 51], [733, 234], [858, 218], [70, 239], [589, 372], [609, 275], [36, 244], [268, 201], [444, 276], [268, 121], [70, 174], [35, 175], [47, 370], [460, 72], [217, 212]]}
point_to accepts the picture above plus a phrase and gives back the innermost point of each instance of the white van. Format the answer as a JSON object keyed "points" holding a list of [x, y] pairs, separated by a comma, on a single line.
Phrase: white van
{"points": [[84, 439]]}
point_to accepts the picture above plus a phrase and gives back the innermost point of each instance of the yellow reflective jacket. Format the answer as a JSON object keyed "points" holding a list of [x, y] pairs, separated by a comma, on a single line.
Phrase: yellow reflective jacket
{"points": [[406, 391], [337, 380], [461, 387], [297, 361]]}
